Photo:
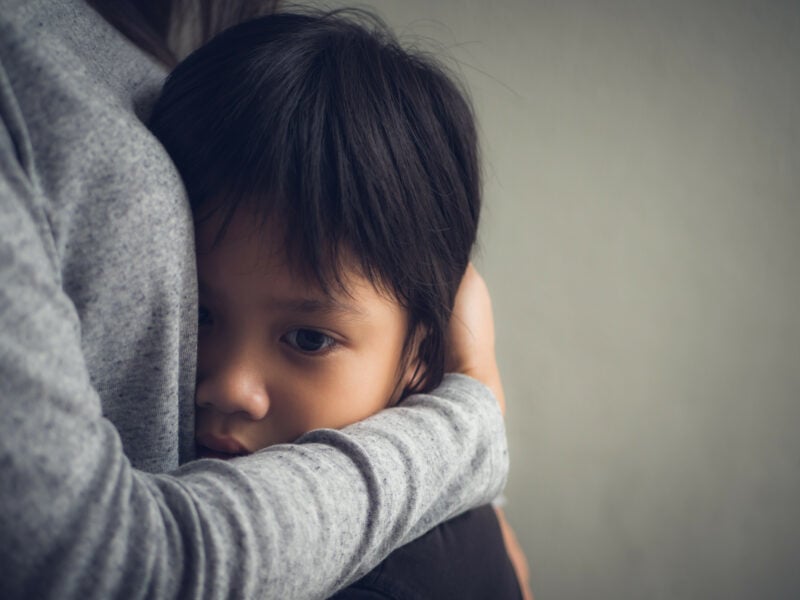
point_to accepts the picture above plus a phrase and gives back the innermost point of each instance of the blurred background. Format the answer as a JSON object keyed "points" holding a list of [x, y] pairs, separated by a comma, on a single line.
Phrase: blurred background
{"points": [[641, 239]]}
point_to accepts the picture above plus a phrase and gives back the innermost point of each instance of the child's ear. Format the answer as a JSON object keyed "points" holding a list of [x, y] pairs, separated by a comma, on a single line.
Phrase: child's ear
{"points": [[412, 378], [415, 374], [413, 371]]}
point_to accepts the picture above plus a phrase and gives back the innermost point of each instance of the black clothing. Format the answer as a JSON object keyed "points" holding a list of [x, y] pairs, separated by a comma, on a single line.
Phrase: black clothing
{"points": [[461, 559]]}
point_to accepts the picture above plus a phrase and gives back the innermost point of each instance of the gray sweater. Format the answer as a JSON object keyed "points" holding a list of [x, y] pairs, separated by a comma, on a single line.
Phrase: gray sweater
{"points": [[98, 498]]}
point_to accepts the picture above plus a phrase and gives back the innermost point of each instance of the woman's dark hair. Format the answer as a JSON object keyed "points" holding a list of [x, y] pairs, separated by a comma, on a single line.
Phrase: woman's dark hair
{"points": [[353, 144], [168, 29]]}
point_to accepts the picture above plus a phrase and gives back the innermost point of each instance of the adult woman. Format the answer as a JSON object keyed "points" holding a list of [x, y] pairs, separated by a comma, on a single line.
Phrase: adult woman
{"points": [[98, 318]]}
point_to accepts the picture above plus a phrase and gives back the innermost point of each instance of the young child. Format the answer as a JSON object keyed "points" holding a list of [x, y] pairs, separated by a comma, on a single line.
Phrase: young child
{"points": [[335, 182]]}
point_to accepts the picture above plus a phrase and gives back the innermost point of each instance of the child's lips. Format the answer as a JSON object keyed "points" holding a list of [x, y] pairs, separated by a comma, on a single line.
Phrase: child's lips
{"points": [[224, 448], [204, 452]]}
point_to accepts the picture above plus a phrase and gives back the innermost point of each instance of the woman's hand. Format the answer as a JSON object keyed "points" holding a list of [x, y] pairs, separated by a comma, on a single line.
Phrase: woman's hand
{"points": [[470, 344], [470, 339]]}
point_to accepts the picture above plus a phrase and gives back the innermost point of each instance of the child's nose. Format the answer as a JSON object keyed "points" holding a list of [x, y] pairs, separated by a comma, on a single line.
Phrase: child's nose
{"points": [[238, 388]]}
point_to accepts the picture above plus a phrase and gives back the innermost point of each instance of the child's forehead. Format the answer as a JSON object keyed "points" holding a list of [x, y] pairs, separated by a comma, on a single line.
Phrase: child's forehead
{"points": [[264, 246], [246, 239]]}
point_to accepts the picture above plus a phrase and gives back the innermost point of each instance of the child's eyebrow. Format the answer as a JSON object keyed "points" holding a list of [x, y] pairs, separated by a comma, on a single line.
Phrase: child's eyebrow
{"points": [[299, 304], [315, 306]]}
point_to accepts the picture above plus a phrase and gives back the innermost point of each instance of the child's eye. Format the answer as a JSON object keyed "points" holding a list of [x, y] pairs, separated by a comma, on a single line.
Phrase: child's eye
{"points": [[204, 316], [309, 340]]}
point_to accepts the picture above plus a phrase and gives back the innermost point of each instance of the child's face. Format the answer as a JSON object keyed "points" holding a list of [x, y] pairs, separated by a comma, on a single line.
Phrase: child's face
{"points": [[276, 356]]}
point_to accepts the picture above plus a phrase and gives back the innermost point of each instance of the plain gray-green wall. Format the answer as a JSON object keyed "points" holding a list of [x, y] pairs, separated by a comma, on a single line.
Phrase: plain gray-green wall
{"points": [[641, 239]]}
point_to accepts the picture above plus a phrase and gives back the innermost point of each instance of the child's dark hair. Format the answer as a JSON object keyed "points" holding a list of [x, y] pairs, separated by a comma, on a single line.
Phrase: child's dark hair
{"points": [[325, 123]]}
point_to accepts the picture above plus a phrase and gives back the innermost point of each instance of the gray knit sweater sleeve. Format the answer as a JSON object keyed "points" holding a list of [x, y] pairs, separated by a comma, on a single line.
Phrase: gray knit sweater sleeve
{"points": [[98, 494]]}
